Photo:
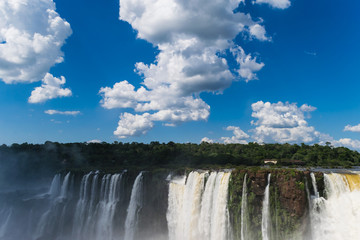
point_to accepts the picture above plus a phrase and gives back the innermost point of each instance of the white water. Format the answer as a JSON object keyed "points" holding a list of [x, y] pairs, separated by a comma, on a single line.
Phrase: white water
{"points": [[109, 200], [220, 214], [244, 210], [196, 210], [55, 186], [50, 221], [313, 181], [338, 216], [81, 211], [207, 207], [95, 209], [134, 208], [265, 222]]}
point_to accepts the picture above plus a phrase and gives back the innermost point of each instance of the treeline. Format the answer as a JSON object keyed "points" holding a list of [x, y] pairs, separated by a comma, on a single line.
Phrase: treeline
{"points": [[57, 156]]}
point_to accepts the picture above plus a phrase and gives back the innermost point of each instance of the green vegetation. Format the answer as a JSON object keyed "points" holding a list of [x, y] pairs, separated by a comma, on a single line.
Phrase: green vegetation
{"points": [[39, 159], [288, 202]]}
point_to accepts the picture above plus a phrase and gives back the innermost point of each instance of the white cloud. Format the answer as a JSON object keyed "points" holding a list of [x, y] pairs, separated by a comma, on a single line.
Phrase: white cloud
{"points": [[133, 125], [50, 88], [94, 141], [239, 136], [347, 142], [53, 112], [342, 142], [282, 4], [307, 108], [248, 66], [350, 128], [206, 139], [282, 122], [31, 35], [259, 32], [191, 59], [285, 123]]}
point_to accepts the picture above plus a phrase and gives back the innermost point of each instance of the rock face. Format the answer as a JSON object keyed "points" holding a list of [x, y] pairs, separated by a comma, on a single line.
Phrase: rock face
{"points": [[288, 201], [292, 194]]}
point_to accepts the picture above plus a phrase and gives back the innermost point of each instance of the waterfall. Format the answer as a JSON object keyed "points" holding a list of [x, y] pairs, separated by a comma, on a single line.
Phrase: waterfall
{"points": [[265, 222], [100, 206], [207, 207], [65, 186], [313, 180], [220, 214], [134, 208], [96, 207], [197, 210], [50, 221], [244, 210], [91, 208], [109, 200], [175, 206], [81, 211], [337, 217], [55, 186]]}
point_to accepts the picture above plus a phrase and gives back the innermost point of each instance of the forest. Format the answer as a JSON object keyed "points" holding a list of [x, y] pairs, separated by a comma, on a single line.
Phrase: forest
{"points": [[54, 155], [35, 161]]}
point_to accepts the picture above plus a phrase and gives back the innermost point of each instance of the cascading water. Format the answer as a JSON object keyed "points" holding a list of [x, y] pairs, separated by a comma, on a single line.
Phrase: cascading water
{"points": [[64, 191], [50, 222], [265, 222], [81, 211], [55, 186], [98, 206], [337, 216], [220, 214], [207, 207], [197, 210], [313, 181], [105, 211], [135, 205], [244, 210]]}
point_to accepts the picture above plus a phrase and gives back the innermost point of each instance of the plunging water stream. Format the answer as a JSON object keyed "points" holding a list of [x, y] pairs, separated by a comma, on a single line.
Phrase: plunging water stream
{"points": [[99, 206], [265, 222]]}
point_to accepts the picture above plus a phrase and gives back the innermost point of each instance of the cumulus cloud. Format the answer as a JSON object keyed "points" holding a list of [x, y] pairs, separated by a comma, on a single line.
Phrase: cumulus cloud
{"points": [[347, 142], [350, 128], [207, 140], [281, 4], [259, 32], [282, 122], [94, 141], [133, 125], [248, 66], [31, 35], [191, 58], [285, 123], [53, 112], [239, 136], [50, 88]]}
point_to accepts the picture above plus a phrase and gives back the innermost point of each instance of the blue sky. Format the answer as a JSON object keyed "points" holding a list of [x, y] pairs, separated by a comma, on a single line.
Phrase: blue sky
{"points": [[270, 71]]}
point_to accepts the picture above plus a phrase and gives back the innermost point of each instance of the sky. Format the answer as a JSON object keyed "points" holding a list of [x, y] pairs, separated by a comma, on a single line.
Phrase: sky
{"points": [[228, 71]]}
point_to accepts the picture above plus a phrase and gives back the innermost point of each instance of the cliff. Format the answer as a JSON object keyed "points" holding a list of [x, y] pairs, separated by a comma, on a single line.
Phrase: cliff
{"points": [[288, 201]]}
